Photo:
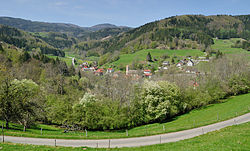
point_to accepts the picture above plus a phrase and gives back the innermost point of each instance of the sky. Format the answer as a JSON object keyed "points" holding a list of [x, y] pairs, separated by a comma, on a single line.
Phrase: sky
{"points": [[132, 13]]}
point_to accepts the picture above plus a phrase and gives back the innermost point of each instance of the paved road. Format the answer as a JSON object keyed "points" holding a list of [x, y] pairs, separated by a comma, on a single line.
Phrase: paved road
{"points": [[132, 142]]}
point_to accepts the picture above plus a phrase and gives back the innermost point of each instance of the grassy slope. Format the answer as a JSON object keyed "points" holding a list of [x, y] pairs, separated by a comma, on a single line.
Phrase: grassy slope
{"points": [[230, 108], [225, 46], [231, 138], [141, 55]]}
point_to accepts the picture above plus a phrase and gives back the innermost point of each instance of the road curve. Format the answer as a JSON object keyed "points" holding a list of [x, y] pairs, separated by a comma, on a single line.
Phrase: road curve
{"points": [[131, 142]]}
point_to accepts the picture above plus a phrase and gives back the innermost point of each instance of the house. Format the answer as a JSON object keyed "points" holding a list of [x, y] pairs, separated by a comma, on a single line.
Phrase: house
{"points": [[85, 68], [85, 64], [99, 72], [92, 68], [190, 63], [165, 63], [110, 70], [179, 64], [165, 68], [147, 73]]}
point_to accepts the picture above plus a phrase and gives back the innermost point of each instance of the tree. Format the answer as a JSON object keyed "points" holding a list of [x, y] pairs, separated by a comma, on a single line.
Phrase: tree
{"points": [[23, 92], [1, 48], [85, 112], [6, 102], [218, 54], [72, 70], [16, 100], [59, 109], [160, 100], [24, 57], [149, 58], [172, 60], [63, 68], [61, 83], [79, 74]]}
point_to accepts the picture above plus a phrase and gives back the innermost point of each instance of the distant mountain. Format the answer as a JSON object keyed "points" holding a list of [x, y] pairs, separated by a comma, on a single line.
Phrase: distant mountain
{"points": [[70, 29], [35, 26], [105, 26]]}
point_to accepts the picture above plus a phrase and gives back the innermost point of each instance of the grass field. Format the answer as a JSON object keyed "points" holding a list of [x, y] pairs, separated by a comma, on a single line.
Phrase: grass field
{"points": [[155, 53], [235, 137], [230, 108], [225, 46]]}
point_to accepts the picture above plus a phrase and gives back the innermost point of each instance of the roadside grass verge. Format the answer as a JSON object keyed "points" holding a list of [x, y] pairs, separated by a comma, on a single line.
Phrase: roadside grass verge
{"points": [[235, 137], [229, 108]]}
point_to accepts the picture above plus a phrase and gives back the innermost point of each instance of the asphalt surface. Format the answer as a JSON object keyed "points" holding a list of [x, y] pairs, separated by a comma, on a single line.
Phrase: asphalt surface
{"points": [[131, 142]]}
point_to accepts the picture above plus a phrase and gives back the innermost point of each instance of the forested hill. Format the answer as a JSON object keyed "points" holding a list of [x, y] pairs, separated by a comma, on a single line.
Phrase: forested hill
{"points": [[178, 32], [27, 41]]}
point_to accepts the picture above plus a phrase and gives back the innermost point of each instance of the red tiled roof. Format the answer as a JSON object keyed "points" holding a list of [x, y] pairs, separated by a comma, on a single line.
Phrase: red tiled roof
{"points": [[148, 74], [100, 70]]}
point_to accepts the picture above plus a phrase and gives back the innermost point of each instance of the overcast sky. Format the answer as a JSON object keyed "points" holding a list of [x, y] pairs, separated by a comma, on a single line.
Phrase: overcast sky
{"points": [[131, 13]]}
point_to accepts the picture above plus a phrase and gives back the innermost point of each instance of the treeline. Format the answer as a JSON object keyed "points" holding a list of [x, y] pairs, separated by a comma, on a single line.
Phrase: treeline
{"points": [[26, 41], [56, 94]]}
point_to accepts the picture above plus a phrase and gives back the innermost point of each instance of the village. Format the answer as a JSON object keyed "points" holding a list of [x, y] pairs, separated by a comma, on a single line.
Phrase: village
{"points": [[184, 66]]}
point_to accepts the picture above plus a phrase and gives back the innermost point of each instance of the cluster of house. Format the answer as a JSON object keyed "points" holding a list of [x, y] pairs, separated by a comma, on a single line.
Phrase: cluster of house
{"points": [[137, 73], [188, 63], [100, 71], [97, 71], [183, 62], [165, 65], [145, 73], [180, 64]]}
